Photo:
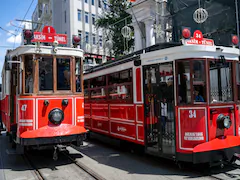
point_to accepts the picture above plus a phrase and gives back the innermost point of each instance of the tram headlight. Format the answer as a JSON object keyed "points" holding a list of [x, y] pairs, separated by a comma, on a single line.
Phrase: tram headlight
{"points": [[223, 122], [227, 122], [56, 116]]}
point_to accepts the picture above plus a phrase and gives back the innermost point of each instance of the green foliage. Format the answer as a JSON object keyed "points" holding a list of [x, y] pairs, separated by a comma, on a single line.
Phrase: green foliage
{"points": [[114, 20]]}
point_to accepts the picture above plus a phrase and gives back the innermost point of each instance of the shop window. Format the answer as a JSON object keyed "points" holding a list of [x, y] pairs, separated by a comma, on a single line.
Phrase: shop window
{"points": [[45, 73], [63, 74]]}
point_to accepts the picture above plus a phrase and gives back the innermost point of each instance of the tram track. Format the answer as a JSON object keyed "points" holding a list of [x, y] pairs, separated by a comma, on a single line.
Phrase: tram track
{"points": [[36, 171], [82, 166]]}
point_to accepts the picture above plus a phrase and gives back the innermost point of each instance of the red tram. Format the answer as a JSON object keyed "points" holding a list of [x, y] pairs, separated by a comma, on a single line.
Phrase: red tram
{"points": [[42, 99], [179, 101]]}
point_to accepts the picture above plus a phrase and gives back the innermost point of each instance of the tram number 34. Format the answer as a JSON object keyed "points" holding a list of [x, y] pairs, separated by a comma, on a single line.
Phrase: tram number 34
{"points": [[24, 107], [192, 113]]}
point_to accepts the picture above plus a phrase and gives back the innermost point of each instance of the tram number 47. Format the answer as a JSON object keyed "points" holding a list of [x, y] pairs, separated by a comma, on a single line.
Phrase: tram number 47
{"points": [[192, 113], [24, 107]]}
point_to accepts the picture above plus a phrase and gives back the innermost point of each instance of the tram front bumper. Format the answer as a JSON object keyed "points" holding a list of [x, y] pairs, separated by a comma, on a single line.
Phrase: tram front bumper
{"points": [[52, 134], [217, 149]]}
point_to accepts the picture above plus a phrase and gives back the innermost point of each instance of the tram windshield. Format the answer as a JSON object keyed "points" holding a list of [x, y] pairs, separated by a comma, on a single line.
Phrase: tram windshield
{"points": [[220, 81], [40, 75]]}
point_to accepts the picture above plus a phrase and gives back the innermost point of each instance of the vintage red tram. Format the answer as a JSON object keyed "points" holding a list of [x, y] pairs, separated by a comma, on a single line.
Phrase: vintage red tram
{"points": [[42, 99], [180, 101]]}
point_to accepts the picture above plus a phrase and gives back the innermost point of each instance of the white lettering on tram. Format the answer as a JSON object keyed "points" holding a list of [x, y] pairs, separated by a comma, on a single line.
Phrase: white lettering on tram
{"points": [[60, 38], [193, 136], [122, 129], [39, 37]]}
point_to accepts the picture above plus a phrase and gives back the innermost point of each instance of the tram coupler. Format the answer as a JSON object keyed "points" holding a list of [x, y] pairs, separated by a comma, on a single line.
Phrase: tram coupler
{"points": [[55, 153]]}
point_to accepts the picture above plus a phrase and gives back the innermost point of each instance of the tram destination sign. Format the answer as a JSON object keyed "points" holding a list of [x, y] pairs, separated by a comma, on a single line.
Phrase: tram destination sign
{"points": [[49, 35], [193, 41], [198, 39]]}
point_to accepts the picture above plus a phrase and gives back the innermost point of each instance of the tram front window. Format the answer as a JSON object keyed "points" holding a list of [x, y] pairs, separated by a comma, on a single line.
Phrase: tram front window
{"points": [[46, 74], [220, 81], [191, 82], [63, 74]]}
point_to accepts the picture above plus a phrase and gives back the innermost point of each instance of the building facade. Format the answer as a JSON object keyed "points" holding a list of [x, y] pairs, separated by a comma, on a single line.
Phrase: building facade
{"points": [[74, 17]]}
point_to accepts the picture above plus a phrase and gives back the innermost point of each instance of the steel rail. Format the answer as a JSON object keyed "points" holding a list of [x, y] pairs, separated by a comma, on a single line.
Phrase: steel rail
{"points": [[92, 173], [35, 169]]}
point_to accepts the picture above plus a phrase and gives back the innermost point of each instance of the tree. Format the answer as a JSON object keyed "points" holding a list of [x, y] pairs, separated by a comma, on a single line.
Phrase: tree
{"points": [[113, 20]]}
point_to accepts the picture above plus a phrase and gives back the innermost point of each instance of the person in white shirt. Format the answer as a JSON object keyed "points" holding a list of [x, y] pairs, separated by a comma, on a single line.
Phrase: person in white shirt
{"points": [[163, 114]]}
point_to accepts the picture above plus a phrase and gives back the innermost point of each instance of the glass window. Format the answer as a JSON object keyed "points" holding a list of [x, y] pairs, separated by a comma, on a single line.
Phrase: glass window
{"points": [[28, 74], [199, 81], [78, 75], [86, 1], [184, 89], [79, 15], [100, 41], [93, 18], [94, 39], [63, 74], [99, 3], [86, 90], [87, 37], [93, 2], [65, 16], [120, 85], [238, 80], [86, 17], [166, 81], [98, 88], [45, 73], [220, 81]]}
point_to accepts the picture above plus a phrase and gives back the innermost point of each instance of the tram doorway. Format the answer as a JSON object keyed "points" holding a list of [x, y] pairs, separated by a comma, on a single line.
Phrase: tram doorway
{"points": [[159, 109]]}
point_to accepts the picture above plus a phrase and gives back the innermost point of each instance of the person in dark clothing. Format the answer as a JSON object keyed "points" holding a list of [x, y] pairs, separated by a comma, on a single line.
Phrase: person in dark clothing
{"points": [[198, 97]]}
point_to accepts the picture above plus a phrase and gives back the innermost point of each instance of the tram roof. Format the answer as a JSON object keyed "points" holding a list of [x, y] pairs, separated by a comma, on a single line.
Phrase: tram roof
{"points": [[166, 52], [45, 50]]}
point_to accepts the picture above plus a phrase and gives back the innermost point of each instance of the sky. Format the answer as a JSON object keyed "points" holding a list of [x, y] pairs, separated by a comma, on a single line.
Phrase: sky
{"points": [[10, 10]]}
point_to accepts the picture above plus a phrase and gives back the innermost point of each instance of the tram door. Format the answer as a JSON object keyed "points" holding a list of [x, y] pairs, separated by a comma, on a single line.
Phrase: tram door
{"points": [[158, 99]]}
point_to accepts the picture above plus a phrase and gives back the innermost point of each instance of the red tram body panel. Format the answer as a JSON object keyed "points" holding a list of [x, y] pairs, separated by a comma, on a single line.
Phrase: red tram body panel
{"points": [[42, 94], [180, 101]]}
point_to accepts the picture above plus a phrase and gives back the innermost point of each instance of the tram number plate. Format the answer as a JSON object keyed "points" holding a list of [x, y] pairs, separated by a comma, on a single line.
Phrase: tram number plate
{"points": [[192, 114], [24, 107]]}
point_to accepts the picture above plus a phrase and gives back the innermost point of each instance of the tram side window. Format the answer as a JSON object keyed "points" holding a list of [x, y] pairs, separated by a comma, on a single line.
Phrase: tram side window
{"points": [[120, 85], [78, 75], [63, 74], [28, 74], [86, 90], [166, 81], [184, 89], [199, 81], [98, 88], [220, 81], [238, 80], [46, 74]]}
